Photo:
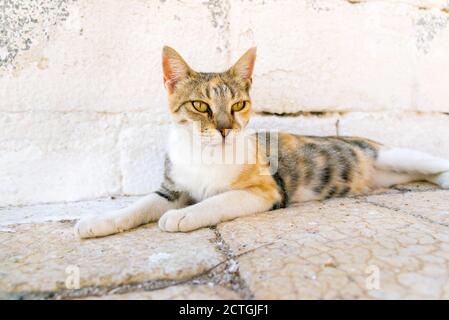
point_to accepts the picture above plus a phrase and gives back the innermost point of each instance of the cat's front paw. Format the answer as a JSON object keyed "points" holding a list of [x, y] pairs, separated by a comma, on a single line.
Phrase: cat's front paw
{"points": [[94, 227], [178, 220]]}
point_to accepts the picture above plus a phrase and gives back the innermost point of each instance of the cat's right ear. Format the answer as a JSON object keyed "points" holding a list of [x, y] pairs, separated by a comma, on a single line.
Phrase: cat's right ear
{"points": [[243, 68], [174, 68]]}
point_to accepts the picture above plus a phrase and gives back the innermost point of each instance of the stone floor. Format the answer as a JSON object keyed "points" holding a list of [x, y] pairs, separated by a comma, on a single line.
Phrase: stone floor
{"points": [[393, 244]]}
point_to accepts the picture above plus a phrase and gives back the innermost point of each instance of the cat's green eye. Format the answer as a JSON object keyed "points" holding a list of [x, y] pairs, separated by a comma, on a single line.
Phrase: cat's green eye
{"points": [[239, 106], [200, 106]]}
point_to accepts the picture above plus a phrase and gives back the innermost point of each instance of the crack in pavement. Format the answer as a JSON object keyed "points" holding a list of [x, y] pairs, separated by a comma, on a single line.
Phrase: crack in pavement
{"points": [[224, 274], [211, 276], [419, 216], [231, 273]]}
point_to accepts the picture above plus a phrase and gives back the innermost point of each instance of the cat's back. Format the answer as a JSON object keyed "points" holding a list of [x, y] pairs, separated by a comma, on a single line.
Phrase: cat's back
{"points": [[315, 168]]}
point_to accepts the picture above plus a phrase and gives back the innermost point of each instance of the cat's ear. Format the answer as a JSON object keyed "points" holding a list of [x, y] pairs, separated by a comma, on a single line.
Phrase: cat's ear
{"points": [[244, 67], [174, 68]]}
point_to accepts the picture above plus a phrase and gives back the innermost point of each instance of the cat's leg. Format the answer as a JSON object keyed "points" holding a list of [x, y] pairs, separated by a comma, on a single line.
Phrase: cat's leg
{"points": [[211, 211], [145, 210], [398, 165]]}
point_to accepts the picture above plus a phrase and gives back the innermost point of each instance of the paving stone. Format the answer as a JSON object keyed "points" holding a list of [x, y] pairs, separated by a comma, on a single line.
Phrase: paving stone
{"points": [[179, 292], [41, 257], [60, 211], [343, 248], [394, 244], [433, 205]]}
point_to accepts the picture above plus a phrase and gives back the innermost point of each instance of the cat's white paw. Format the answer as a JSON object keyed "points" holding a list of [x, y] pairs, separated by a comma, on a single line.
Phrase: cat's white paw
{"points": [[177, 220], [95, 227], [443, 180]]}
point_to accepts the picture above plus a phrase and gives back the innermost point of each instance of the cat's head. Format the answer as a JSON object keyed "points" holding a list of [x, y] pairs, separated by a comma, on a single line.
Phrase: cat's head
{"points": [[217, 103]]}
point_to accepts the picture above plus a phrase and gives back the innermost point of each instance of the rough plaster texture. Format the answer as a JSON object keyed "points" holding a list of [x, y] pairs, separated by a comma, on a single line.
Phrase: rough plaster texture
{"points": [[347, 55], [83, 109]]}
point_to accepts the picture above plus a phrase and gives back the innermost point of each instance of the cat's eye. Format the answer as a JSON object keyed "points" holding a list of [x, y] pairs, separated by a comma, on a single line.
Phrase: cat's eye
{"points": [[200, 106], [239, 106]]}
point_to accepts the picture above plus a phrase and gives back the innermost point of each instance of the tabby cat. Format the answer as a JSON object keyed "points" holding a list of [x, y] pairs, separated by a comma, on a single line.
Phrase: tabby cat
{"points": [[210, 112]]}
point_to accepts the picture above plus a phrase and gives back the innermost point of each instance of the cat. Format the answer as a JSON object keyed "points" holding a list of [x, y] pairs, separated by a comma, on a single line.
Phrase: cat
{"points": [[210, 112]]}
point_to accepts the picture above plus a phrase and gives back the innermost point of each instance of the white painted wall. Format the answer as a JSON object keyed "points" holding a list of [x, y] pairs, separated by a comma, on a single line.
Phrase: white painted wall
{"points": [[82, 106]]}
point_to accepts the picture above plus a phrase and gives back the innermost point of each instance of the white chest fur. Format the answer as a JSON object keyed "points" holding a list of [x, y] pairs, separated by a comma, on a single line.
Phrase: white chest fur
{"points": [[196, 169], [204, 181]]}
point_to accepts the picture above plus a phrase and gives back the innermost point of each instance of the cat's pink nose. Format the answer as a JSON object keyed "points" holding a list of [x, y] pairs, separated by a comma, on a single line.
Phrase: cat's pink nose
{"points": [[224, 132]]}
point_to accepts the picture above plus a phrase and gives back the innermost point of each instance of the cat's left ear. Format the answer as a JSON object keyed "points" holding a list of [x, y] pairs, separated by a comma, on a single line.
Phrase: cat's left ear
{"points": [[243, 68]]}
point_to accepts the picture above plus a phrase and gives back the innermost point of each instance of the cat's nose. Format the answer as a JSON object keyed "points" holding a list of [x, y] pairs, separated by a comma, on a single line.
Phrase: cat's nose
{"points": [[224, 132]]}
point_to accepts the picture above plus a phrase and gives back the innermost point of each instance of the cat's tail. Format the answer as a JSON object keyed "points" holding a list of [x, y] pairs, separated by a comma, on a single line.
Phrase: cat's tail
{"points": [[411, 165]]}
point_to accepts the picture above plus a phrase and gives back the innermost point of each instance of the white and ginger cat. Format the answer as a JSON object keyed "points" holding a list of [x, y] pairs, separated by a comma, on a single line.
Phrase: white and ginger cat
{"points": [[210, 112]]}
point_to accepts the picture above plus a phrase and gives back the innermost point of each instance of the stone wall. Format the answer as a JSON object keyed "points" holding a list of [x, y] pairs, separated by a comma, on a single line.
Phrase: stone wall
{"points": [[83, 109]]}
